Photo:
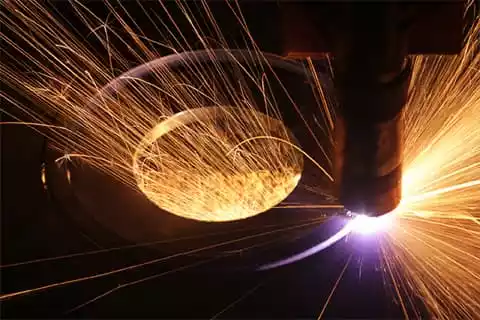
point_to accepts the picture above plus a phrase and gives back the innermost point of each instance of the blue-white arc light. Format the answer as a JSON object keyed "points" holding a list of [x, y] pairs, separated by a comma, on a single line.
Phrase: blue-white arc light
{"points": [[364, 224], [358, 224]]}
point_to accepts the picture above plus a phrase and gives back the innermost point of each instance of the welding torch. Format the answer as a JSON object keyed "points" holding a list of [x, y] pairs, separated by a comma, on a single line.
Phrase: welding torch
{"points": [[370, 45]]}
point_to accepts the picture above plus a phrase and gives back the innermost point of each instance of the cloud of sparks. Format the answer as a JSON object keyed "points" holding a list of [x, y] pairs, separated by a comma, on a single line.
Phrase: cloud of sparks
{"points": [[172, 136], [167, 132], [432, 250]]}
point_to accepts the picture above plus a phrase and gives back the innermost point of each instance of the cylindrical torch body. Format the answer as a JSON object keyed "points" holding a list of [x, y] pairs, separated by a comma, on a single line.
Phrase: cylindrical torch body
{"points": [[369, 144], [371, 75]]}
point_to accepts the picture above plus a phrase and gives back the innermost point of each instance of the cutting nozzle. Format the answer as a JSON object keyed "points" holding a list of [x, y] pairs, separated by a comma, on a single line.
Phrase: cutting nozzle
{"points": [[369, 143]]}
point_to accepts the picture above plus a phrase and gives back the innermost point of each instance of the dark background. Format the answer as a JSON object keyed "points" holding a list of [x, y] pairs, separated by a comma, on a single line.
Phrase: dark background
{"points": [[67, 219]]}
